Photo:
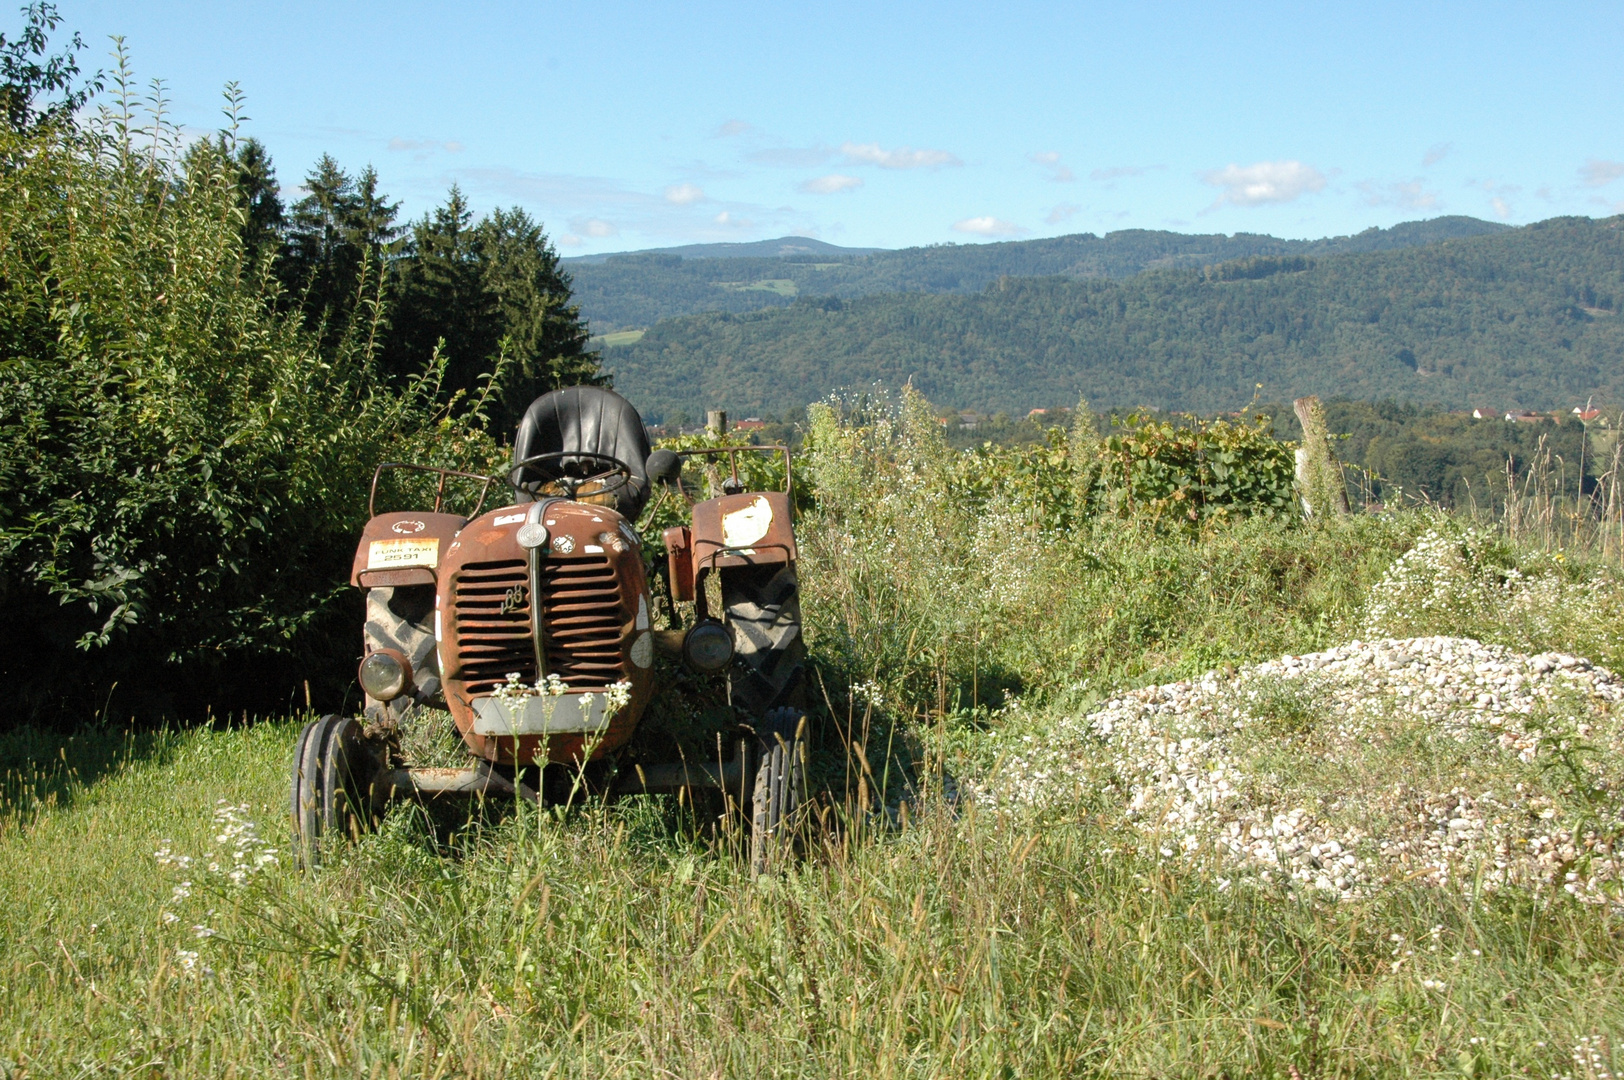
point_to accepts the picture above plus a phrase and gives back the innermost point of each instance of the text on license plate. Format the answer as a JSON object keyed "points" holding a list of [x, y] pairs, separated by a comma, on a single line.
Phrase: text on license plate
{"points": [[389, 554]]}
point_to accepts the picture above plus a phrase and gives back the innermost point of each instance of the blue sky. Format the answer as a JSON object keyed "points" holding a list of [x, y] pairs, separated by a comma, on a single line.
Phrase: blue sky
{"points": [[627, 125]]}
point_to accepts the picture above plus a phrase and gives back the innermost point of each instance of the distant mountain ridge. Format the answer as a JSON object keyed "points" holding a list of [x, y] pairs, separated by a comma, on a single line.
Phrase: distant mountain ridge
{"points": [[639, 289], [1531, 317], [783, 247]]}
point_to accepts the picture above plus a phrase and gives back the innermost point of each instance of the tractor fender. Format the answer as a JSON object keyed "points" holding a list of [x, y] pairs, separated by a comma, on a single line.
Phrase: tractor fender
{"points": [[403, 548], [753, 528]]}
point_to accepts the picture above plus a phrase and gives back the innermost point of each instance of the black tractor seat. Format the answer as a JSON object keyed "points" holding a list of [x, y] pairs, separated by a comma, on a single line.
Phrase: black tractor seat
{"points": [[586, 420]]}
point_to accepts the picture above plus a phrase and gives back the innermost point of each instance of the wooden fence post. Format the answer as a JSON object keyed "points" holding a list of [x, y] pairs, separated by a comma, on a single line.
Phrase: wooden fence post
{"points": [[1319, 474]]}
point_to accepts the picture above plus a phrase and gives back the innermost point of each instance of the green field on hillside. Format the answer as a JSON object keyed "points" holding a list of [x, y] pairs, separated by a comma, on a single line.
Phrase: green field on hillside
{"points": [[777, 286], [620, 337]]}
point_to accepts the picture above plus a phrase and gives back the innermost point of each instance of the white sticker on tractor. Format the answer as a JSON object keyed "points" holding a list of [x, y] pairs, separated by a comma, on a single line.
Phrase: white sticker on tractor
{"points": [[643, 649], [642, 614], [394, 554], [744, 527], [509, 519]]}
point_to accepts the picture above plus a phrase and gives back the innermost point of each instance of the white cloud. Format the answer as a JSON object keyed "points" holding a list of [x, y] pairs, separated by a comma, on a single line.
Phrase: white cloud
{"points": [[1263, 183], [1499, 195], [1598, 173], [987, 226], [684, 194], [1117, 172], [1050, 160], [727, 221], [597, 228], [903, 157], [791, 157], [1109, 175], [831, 184], [1436, 153], [1063, 212], [644, 216], [423, 149], [734, 127], [1404, 194]]}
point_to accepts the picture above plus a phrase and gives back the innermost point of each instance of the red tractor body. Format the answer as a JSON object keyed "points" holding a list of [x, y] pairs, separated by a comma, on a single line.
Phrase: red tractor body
{"points": [[534, 626]]}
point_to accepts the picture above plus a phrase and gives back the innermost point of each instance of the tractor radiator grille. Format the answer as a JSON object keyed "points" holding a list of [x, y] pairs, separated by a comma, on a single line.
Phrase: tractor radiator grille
{"points": [[492, 612], [582, 615]]}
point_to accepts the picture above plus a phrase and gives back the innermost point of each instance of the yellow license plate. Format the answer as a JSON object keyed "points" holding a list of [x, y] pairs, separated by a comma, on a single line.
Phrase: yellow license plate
{"points": [[393, 554]]}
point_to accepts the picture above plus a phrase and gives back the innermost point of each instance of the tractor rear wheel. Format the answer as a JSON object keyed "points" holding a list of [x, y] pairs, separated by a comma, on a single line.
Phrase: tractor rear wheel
{"points": [[333, 770], [780, 784], [402, 618], [763, 609]]}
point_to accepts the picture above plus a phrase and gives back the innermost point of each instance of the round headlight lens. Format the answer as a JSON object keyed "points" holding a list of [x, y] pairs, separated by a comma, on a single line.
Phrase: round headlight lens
{"points": [[708, 646], [385, 674]]}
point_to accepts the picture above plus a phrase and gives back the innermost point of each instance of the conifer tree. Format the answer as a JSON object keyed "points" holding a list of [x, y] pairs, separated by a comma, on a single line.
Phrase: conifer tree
{"points": [[339, 238], [260, 198], [440, 297], [546, 338], [475, 289]]}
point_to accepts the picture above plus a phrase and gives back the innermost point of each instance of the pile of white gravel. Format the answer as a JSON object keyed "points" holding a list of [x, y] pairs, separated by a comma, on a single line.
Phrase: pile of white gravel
{"points": [[1180, 761]]}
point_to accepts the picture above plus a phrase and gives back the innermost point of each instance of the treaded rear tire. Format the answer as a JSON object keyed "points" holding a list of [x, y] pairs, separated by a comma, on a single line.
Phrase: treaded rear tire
{"points": [[780, 785], [402, 618], [763, 609]]}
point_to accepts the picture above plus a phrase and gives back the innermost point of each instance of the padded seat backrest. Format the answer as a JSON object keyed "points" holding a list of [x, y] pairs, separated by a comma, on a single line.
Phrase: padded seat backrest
{"points": [[588, 420]]}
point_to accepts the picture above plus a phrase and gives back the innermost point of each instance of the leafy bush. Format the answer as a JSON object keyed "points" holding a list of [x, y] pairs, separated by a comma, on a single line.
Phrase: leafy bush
{"points": [[947, 578], [185, 470]]}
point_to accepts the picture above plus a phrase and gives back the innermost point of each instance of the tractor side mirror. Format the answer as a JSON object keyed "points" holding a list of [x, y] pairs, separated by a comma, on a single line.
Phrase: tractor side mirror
{"points": [[663, 467]]}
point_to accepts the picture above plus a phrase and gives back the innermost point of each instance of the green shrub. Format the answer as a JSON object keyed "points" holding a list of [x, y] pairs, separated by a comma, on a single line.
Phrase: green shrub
{"points": [[185, 471], [948, 578]]}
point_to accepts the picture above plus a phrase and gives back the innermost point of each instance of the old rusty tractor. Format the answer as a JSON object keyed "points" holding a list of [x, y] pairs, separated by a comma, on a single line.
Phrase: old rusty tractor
{"points": [[533, 624]]}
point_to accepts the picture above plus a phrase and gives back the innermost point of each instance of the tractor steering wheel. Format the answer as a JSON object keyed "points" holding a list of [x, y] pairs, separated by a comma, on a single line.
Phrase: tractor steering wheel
{"points": [[574, 469]]}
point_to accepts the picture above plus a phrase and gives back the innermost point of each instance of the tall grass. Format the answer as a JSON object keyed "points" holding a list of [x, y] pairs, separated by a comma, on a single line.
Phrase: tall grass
{"points": [[604, 943], [622, 940], [1541, 511]]}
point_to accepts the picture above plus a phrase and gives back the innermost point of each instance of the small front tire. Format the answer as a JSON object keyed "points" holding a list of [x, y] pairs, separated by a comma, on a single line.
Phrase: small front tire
{"points": [[779, 790], [333, 770]]}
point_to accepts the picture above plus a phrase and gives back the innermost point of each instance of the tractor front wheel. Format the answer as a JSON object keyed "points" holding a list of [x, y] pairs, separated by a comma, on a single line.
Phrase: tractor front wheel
{"points": [[780, 785], [333, 769]]}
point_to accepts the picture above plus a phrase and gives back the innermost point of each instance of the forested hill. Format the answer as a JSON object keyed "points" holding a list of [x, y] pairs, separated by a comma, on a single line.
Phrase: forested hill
{"points": [[783, 247], [641, 288], [1519, 318]]}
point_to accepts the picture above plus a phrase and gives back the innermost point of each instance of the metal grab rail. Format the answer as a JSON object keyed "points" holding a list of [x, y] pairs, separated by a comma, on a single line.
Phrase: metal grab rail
{"points": [[439, 489], [733, 459]]}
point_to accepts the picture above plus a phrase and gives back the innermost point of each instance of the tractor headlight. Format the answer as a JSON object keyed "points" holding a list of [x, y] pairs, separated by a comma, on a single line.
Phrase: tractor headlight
{"points": [[708, 646], [385, 674]]}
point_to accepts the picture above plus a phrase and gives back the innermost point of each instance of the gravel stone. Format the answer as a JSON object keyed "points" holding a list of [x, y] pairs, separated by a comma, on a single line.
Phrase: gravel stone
{"points": [[1179, 762]]}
